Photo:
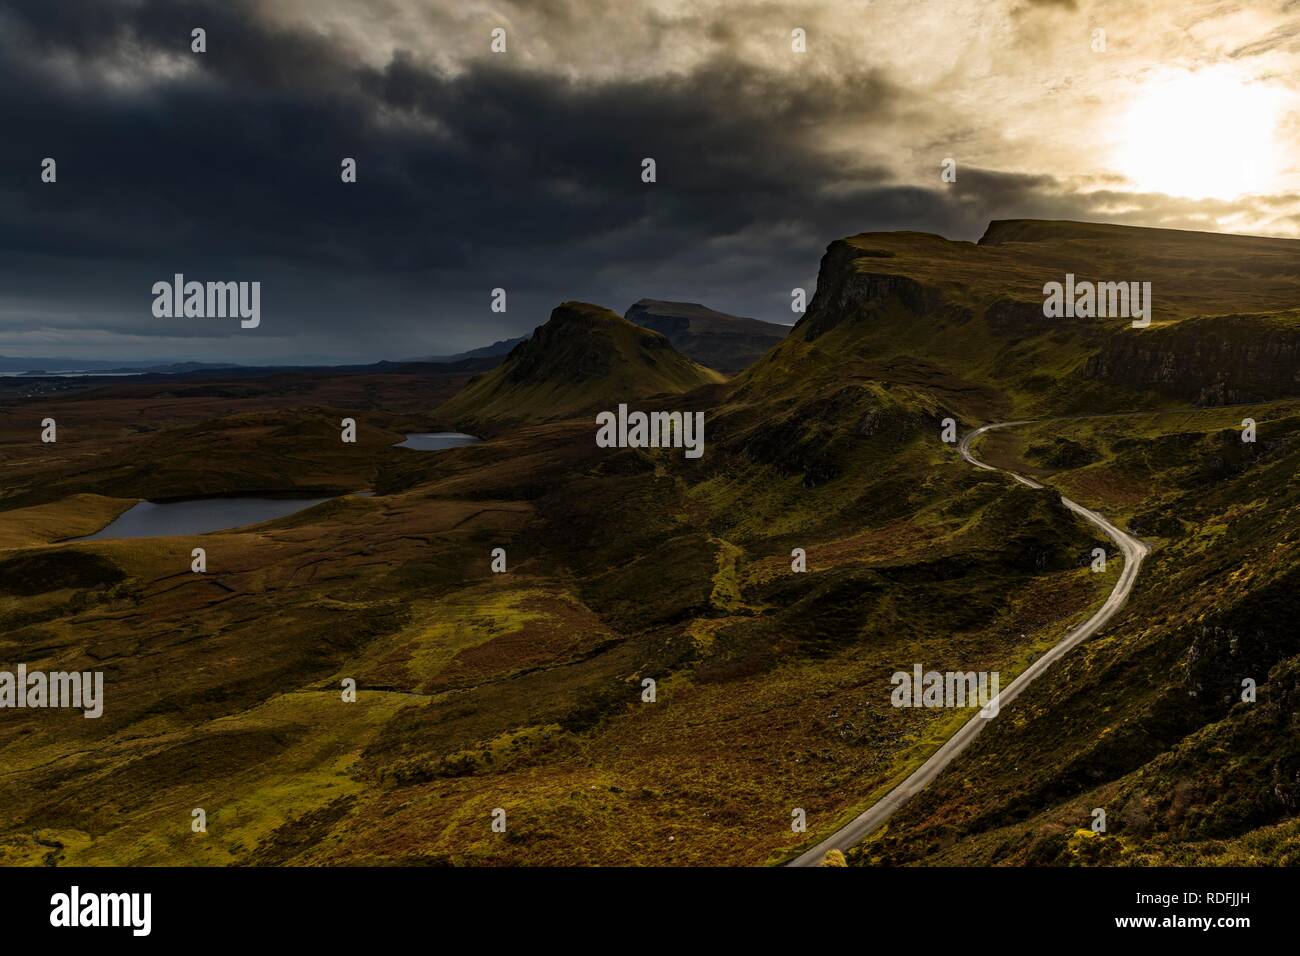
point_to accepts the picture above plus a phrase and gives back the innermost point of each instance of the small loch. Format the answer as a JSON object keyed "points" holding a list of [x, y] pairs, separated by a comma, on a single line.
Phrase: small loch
{"points": [[156, 519], [436, 441]]}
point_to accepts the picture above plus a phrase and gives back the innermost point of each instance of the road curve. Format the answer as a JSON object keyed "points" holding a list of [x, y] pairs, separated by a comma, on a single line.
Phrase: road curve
{"points": [[1134, 553]]}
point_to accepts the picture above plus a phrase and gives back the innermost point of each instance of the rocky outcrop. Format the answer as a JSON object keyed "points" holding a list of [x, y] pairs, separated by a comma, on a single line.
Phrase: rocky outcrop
{"points": [[845, 291], [1212, 361]]}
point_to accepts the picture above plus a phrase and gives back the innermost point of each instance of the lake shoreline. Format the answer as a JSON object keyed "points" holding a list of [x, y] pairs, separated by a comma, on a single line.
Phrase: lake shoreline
{"points": [[168, 517]]}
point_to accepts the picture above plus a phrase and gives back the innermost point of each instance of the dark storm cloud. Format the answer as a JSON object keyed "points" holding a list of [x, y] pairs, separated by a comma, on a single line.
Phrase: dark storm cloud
{"points": [[225, 165]]}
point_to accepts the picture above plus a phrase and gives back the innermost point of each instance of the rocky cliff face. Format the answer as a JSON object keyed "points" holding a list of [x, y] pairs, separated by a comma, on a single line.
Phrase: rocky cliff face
{"points": [[1226, 326], [845, 289], [1211, 361]]}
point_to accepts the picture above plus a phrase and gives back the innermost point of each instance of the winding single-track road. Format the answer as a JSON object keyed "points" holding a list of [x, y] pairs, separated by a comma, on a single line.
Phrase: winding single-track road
{"points": [[1134, 553]]}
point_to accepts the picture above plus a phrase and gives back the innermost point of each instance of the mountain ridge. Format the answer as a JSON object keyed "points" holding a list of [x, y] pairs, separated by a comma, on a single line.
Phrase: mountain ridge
{"points": [[728, 343], [970, 316]]}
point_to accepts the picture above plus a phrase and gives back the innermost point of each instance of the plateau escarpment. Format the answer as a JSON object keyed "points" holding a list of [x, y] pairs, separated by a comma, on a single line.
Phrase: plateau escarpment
{"points": [[966, 321], [729, 343], [1208, 361]]}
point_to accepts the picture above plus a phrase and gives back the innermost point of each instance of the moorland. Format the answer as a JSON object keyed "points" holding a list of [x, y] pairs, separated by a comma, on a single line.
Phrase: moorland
{"points": [[525, 690]]}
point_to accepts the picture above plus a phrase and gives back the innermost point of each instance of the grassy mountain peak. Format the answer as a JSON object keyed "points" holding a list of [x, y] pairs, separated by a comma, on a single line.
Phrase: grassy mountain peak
{"points": [[584, 358]]}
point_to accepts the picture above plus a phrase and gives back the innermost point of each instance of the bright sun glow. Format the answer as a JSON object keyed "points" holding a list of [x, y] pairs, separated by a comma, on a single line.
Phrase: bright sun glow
{"points": [[1201, 135]]}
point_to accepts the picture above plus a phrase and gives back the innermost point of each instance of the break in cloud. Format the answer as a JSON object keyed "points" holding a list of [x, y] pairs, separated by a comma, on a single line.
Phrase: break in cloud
{"points": [[522, 170]]}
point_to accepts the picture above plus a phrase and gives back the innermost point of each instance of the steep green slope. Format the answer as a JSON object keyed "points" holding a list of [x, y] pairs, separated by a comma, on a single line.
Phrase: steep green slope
{"points": [[583, 359], [906, 329], [1150, 722]]}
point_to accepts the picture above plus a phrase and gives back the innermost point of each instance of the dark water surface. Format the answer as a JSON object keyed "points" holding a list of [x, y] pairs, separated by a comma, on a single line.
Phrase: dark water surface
{"points": [[436, 441], [151, 519]]}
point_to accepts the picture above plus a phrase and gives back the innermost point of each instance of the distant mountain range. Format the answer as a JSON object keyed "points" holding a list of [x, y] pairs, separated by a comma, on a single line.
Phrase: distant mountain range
{"points": [[495, 350], [52, 366], [727, 343]]}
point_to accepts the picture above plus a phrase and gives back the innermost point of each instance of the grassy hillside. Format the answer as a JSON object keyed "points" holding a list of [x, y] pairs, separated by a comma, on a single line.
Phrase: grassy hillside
{"points": [[583, 359], [193, 437], [519, 690], [1147, 722], [523, 690]]}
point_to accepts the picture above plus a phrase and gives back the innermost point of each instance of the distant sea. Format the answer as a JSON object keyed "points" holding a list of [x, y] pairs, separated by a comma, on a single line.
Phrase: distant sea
{"points": [[68, 374]]}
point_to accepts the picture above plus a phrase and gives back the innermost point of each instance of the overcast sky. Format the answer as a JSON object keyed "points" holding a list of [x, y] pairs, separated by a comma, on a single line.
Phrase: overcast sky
{"points": [[522, 169]]}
